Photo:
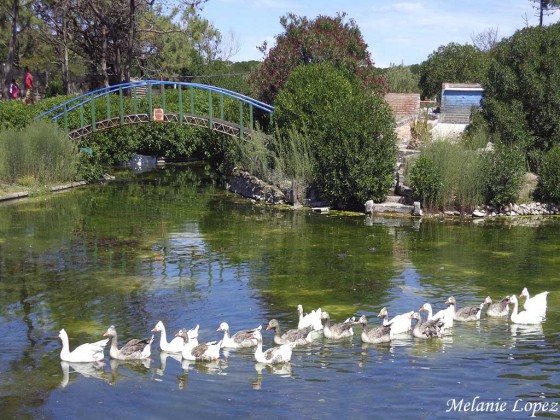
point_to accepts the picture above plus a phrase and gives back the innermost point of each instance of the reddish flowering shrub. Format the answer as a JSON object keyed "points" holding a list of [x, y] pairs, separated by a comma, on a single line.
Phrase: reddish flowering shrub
{"points": [[325, 39]]}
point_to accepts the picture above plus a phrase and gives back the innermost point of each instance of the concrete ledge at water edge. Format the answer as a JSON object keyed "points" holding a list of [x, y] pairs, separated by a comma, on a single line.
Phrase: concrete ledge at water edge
{"points": [[393, 207], [23, 194]]}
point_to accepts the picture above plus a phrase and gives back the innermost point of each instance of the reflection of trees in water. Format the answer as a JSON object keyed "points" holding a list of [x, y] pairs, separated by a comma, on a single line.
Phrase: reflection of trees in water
{"points": [[448, 253], [64, 256], [306, 255]]}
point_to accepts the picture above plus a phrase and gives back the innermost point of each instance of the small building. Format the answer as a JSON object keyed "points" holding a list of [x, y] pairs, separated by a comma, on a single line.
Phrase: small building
{"points": [[457, 101], [404, 106]]}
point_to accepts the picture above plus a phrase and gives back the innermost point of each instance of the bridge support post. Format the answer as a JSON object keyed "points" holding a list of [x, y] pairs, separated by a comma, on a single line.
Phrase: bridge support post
{"points": [[210, 111], [121, 107], [240, 120], [180, 105], [149, 94]]}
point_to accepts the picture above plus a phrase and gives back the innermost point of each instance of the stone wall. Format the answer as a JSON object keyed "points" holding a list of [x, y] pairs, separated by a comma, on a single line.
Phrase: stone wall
{"points": [[405, 106], [247, 185]]}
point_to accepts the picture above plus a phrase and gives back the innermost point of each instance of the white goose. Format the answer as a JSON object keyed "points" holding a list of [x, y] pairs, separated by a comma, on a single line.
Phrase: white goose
{"points": [[524, 317], [399, 324], [175, 346], [241, 339], [135, 349], [446, 315], [312, 319], [274, 355], [87, 352], [536, 303], [205, 352]]}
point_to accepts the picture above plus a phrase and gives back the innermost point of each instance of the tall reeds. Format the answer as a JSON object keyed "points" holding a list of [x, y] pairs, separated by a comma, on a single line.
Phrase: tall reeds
{"points": [[37, 155], [276, 158]]}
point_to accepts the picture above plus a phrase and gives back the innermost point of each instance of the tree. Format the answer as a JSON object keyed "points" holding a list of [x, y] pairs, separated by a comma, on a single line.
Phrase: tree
{"points": [[325, 39], [485, 40], [545, 7], [111, 37], [351, 130], [522, 94], [453, 63], [14, 19], [401, 79]]}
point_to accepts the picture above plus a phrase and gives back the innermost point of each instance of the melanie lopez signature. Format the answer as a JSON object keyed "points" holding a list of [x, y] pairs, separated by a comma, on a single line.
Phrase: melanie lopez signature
{"points": [[497, 406]]}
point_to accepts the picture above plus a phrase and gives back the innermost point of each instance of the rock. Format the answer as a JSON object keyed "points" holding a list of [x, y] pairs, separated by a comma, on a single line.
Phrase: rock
{"points": [[417, 209], [247, 185], [478, 213]]}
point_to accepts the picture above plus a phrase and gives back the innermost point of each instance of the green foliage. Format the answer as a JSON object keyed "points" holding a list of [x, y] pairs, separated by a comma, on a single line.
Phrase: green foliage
{"points": [[14, 114], [311, 96], [426, 182], [401, 79], [502, 170], [278, 158], [420, 132], [447, 176], [304, 41], [40, 152], [89, 168], [522, 96], [549, 175], [452, 63], [351, 132]]}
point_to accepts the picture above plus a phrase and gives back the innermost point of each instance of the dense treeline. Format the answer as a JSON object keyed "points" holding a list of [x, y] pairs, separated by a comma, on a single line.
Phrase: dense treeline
{"points": [[95, 43], [517, 130]]}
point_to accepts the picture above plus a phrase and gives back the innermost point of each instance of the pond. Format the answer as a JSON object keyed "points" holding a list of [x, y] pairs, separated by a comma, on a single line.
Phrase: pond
{"points": [[173, 245]]}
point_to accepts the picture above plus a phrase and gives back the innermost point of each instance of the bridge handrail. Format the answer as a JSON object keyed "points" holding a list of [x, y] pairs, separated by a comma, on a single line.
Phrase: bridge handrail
{"points": [[90, 96]]}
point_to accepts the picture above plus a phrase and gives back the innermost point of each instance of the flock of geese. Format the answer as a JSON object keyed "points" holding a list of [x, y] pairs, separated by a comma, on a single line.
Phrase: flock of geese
{"points": [[310, 326]]}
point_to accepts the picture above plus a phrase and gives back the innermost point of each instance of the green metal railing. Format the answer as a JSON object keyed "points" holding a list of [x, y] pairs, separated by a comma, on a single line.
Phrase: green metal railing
{"points": [[135, 102]]}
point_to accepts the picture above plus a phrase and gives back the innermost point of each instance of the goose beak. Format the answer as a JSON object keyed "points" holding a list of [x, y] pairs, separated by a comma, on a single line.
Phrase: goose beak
{"points": [[421, 308], [219, 329], [154, 329]]}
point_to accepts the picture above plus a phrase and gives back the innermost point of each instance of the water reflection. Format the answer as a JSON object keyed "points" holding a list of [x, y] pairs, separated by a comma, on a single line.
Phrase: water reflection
{"points": [[281, 369], [141, 367], [88, 370], [163, 356], [174, 246]]}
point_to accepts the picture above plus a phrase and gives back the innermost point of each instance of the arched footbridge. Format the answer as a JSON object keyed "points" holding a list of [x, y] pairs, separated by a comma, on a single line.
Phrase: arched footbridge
{"points": [[148, 101]]}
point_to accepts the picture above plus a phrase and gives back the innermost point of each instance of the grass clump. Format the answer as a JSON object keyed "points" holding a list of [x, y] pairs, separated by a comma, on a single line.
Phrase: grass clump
{"points": [[37, 155]]}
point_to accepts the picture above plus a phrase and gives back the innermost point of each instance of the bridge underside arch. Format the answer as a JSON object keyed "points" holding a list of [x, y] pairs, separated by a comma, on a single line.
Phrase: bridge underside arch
{"points": [[218, 125]]}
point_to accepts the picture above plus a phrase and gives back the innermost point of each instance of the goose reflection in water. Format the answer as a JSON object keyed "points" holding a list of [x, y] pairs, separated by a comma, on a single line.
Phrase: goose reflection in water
{"points": [[140, 366], [215, 367], [282, 369], [87, 369], [163, 361]]}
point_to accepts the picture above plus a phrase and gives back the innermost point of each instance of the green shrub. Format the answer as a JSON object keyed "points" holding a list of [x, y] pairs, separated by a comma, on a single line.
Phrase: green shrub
{"points": [[40, 151], [502, 170], [15, 114], [447, 176], [549, 175], [351, 133], [426, 183]]}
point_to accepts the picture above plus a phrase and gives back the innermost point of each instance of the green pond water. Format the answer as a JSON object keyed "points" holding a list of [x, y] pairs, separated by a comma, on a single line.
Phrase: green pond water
{"points": [[174, 245]]}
